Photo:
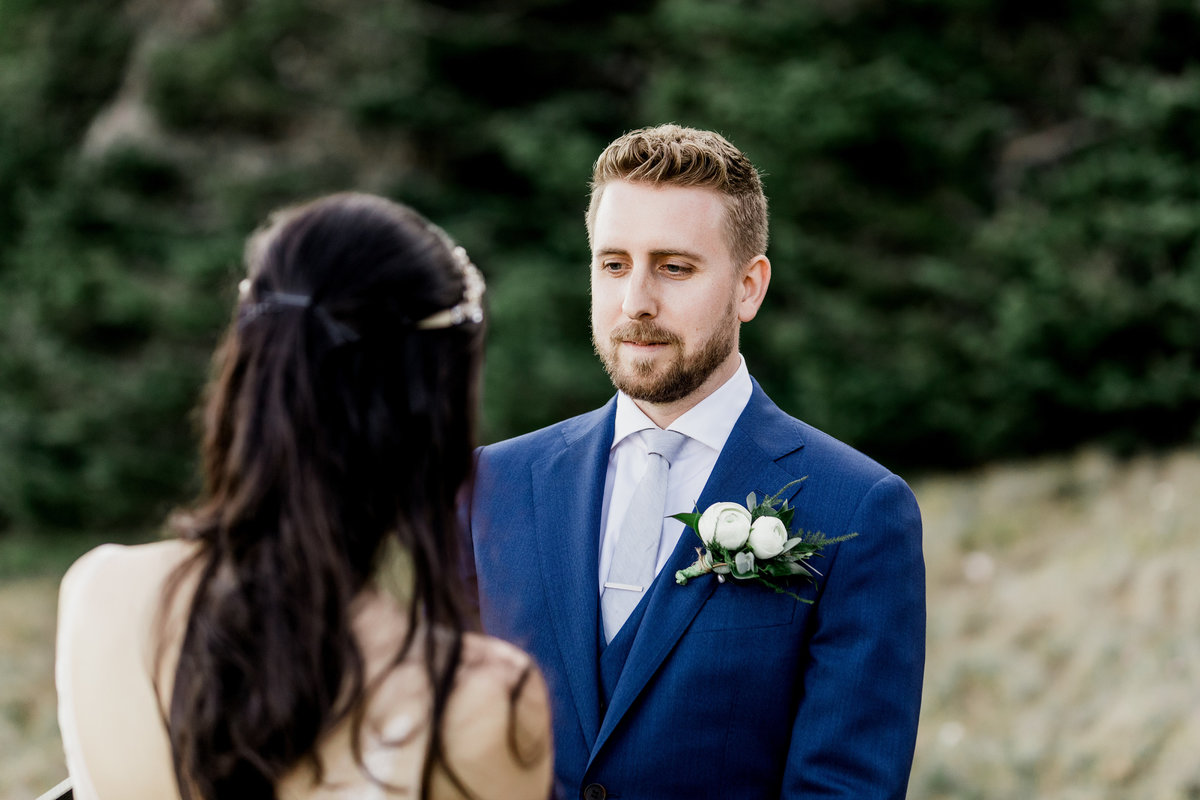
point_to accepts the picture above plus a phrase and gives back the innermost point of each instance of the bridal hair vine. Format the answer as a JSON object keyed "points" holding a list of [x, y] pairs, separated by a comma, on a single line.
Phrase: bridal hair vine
{"points": [[470, 309]]}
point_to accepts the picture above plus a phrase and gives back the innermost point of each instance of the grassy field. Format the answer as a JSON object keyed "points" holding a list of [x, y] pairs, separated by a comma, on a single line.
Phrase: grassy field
{"points": [[1064, 637], [1064, 631]]}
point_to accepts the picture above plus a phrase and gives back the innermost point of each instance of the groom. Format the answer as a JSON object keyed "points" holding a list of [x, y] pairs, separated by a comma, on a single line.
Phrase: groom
{"points": [[711, 689]]}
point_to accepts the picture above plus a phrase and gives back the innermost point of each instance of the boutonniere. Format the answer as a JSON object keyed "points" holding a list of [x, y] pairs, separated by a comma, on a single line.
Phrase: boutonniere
{"points": [[751, 543]]}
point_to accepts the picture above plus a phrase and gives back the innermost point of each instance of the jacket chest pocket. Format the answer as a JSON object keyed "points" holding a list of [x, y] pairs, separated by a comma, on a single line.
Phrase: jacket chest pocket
{"points": [[740, 606]]}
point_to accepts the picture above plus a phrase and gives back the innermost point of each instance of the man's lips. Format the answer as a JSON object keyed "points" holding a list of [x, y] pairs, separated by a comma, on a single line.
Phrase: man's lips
{"points": [[643, 338]]}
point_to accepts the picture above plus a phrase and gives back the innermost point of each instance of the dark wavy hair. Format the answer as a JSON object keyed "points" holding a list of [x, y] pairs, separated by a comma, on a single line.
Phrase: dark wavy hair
{"points": [[333, 425]]}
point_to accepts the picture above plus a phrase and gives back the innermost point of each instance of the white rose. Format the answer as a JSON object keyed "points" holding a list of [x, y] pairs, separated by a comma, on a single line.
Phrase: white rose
{"points": [[726, 524], [767, 537]]}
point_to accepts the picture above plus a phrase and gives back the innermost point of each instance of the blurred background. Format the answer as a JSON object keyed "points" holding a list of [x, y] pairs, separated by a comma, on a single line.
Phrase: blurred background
{"points": [[984, 222]]}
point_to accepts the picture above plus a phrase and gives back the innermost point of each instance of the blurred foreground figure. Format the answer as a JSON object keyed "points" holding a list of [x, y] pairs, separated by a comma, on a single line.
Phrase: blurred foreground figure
{"points": [[719, 687], [259, 654]]}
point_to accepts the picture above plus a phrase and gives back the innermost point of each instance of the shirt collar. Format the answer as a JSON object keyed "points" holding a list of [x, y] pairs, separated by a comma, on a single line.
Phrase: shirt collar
{"points": [[709, 422]]}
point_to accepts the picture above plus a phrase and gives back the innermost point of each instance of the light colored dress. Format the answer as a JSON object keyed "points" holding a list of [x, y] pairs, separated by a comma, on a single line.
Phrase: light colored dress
{"points": [[112, 719]]}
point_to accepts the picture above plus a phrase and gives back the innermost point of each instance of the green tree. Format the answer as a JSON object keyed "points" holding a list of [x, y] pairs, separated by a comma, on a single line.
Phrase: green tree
{"points": [[984, 213]]}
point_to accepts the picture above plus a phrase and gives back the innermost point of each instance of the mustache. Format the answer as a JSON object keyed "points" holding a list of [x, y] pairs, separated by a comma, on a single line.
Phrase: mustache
{"points": [[643, 333]]}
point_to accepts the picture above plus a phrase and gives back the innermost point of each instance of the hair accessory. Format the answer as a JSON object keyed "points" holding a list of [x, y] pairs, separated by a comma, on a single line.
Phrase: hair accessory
{"points": [[471, 307], [274, 302], [271, 302]]}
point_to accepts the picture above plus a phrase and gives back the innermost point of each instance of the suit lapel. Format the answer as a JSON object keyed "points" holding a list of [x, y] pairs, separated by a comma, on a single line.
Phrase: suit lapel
{"points": [[747, 463], [568, 488]]}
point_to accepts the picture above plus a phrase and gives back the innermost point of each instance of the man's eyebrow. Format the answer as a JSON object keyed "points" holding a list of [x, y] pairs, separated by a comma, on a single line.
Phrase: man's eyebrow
{"points": [[663, 253], [690, 256], [609, 251]]}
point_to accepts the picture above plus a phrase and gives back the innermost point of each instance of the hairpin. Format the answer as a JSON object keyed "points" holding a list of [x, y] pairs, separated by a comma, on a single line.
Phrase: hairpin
{"points": [[272, 302]]}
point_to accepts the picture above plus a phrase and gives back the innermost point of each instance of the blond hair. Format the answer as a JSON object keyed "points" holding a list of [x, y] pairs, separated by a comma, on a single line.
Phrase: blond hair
{"points": [[671, 155]]}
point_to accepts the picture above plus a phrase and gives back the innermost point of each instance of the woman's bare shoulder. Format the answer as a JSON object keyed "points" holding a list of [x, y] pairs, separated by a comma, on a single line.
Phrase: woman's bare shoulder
{"points": [[497, 727], [501, 680], [488, 652]]}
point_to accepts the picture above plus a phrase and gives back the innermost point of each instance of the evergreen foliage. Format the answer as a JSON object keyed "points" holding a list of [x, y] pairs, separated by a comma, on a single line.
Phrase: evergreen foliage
{"points": [[984, 213]]}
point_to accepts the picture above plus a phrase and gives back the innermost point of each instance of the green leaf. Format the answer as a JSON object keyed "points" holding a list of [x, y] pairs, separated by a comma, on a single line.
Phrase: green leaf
{"points": [[691, 519], [790, 543], [743, 565], [797, 568], [751, 501], [785, 516]]}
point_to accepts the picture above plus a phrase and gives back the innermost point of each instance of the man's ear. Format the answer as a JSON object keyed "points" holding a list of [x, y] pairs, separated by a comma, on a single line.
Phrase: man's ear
{"points": [[752, 287]]}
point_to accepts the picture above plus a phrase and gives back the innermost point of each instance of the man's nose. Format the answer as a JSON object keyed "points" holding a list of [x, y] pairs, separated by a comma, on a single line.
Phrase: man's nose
{"points": [[641, 301]]}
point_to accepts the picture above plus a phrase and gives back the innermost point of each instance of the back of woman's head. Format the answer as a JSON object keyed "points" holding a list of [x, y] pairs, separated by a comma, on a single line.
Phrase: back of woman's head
{"points": [[341, 415]]}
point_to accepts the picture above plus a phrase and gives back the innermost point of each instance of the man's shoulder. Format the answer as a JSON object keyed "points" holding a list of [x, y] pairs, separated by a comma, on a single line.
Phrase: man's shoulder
{"points": [[811, 444], [841, 482], [830, 447]]}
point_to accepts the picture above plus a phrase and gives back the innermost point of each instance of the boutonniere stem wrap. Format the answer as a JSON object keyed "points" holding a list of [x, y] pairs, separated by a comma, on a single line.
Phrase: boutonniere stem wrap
{"points": [[751, 543]]}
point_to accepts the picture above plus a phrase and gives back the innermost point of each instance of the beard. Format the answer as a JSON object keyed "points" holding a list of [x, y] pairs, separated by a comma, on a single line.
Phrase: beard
{"points": [[683, 374]]}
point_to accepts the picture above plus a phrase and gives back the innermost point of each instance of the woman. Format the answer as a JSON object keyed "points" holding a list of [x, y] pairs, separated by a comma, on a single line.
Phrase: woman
{"points": [[258, 654]]}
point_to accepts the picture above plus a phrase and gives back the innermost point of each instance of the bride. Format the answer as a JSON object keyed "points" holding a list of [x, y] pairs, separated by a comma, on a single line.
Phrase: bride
{"points": [[305, 634]]}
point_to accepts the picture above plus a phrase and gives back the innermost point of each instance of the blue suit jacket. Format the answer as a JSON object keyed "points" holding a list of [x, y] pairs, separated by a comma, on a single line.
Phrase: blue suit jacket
{"points": [[729, 690]]}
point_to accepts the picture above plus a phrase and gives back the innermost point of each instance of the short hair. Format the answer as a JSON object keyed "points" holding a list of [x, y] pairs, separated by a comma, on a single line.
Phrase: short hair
{"points": [[672, 155]]}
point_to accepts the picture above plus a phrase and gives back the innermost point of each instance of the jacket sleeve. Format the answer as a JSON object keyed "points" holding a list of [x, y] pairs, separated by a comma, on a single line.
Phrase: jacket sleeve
{"points": [[856, 723]]}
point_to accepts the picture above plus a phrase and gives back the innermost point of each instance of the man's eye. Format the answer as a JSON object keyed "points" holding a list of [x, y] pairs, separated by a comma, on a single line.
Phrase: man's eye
{"points": [[612, 266], [676, 269]]}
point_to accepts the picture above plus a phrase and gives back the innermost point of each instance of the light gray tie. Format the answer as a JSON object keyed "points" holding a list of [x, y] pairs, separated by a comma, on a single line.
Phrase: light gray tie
{"points": [[636, 553]]}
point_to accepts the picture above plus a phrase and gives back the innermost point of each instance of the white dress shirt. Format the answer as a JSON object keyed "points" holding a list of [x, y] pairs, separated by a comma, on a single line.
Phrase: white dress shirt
{"points": [[707, 425]]}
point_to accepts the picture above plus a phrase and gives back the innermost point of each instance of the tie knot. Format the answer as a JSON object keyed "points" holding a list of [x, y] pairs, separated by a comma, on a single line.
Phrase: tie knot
{"points": [[665, 443]]}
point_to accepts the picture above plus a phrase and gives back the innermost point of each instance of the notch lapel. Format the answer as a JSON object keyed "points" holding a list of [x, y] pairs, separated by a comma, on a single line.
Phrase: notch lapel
{"points": [[763, 435], [568, 489]]}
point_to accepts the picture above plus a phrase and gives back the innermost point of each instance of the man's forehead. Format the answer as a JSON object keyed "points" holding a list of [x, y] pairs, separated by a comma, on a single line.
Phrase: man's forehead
{"points": [[661, 226]]}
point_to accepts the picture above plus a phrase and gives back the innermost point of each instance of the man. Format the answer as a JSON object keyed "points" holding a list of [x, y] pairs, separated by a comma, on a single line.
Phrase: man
{"points": [[709, 689]]}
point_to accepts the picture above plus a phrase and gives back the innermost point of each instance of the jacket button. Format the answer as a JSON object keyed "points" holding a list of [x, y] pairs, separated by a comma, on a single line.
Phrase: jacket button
{"points": [[594, 791]]}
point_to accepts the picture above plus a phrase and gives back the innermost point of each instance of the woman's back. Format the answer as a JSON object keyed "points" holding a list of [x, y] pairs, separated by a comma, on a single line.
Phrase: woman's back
{"points": [[338, 429], [113, 722]]}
